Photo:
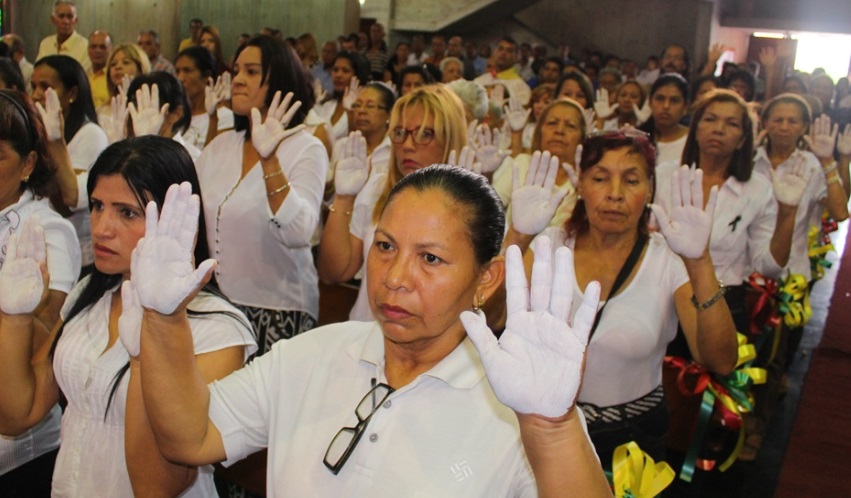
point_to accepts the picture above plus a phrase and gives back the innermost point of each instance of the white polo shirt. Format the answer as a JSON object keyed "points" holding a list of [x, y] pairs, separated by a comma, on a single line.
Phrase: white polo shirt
{"points": [[444, 434], [742, 227]]}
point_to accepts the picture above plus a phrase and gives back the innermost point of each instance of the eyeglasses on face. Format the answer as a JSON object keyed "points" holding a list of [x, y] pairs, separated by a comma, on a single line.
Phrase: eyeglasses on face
{"points": [[347, 438], [367, 107], [421, 136]]}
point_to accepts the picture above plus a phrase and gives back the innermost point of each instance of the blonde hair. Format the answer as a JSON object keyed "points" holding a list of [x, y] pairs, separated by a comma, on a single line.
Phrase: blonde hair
{"points": [[561, 102], [133, 52], [450, 126]]}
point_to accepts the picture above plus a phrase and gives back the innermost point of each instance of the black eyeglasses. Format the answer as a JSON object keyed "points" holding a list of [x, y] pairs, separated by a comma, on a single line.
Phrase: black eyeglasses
{"points": [[347, 438], [367, 107], [421, 136]]}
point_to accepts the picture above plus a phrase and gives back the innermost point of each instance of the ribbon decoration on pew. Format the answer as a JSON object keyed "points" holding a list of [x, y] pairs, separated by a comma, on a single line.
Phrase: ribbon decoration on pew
{"points": [[636, 475]]}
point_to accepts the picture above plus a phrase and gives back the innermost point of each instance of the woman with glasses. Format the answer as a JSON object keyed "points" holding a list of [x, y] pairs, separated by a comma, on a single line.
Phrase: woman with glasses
{"points": [[262, 187], [650, 282], [424, 126], [406, 405]]}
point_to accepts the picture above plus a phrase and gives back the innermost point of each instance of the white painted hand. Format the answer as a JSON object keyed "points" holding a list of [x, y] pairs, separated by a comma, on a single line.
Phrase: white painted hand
{"points": [[148, 119], [689, 225], [162, 266], [319, 92], [843, 142], [515, 115], [216, 92], [116, 126], [642, 113], [590, 118], [352, 169], [466, 159], [24, 277], [51, 115], [789, 187], [601, 105], [471, 133], [266, 136], [822, 137], [536, 366], [534, 202], [350, 96], [130, 321], [124, 87], [488, 153]]}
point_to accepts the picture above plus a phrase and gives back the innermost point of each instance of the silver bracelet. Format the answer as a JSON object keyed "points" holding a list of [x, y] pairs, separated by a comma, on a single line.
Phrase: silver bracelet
{"points": [[722, 289]]}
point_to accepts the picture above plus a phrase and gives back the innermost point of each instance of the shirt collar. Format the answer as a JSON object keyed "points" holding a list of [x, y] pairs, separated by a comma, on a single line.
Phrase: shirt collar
{"points": [[461, 369]]}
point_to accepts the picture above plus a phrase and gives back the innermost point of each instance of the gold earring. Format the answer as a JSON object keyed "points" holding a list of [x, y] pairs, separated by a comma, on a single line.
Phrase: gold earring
{"points": [[481, 302], [25, 179]]}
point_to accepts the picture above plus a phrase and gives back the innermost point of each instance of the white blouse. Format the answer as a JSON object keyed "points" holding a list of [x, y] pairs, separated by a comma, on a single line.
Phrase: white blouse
{"points": [[91, 460], [264, 257], [84, 150]]}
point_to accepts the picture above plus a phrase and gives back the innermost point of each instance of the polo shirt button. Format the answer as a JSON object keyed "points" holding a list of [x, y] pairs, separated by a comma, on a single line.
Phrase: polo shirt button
{"points": [[373, 437], [388, 404]]}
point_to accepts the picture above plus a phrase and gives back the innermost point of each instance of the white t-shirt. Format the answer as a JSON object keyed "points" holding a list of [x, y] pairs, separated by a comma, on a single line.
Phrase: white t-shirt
{"points": [[264, 257], [444, 434], [809, 210], [196, 135], [84, 150], [742, 227], [671, 151], [63, 263], [91, 460], [624, 357], [503, 180]]}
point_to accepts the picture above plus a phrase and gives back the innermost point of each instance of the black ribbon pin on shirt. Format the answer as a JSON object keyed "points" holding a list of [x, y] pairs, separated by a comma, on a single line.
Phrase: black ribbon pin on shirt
{"points": [[735, 222]]}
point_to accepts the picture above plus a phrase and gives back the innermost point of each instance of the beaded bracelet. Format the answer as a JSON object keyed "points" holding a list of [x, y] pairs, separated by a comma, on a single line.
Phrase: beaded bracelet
{"points": [[829, 168], [835, 179], [334, 210], [279, 190]]}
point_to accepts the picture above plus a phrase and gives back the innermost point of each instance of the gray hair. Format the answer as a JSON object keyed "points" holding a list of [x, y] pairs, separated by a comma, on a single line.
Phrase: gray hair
{"points": [[472, 95], [448, 60]]}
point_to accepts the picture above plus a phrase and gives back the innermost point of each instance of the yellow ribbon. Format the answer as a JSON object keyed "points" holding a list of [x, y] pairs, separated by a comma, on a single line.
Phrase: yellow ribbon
{"points": [[636, 475], [797, 307]]}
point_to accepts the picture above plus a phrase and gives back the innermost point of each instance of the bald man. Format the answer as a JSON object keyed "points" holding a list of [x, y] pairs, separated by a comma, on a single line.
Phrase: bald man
{"points": [[100, 45]]}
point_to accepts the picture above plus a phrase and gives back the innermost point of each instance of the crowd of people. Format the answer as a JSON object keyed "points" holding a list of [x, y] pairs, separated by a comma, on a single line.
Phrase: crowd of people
{"points": [[530, 235]]}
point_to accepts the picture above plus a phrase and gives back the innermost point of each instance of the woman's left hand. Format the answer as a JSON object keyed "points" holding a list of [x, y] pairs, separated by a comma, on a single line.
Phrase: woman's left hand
{"points": [[534, 202], [51, 115], [465, 159], [789, 187], [266, 136], [162, 267], [642, 113], [350, 96], [822, 137], [515, 115], [24, 277], [688, 228], [536, 366]]}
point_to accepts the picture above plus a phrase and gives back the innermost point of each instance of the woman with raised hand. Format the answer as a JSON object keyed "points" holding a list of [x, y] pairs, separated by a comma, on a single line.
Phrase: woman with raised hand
{"points": [[74, 139], [347, 74], [196, 70], [650, 282], [669, 104], [424, 127], [107, 446], [126, 61], [263, 182], [26, 461], [630, 107], [435, 257]]}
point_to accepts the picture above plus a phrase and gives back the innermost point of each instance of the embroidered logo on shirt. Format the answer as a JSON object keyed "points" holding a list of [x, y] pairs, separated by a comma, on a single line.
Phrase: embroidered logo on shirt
{"points": [[461, 471]]}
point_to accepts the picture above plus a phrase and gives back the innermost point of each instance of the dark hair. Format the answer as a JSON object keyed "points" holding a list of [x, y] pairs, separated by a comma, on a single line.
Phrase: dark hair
{"points": [[10, 74], [508, 39], [686, 60], [171, 93], [202, 58], [592, 153], [21, 126], [667, 79], [796, 79], [421, 70], [695, 86], [388, 98], [281, 71], [359, 67], [486, 220], [583, 82], [747, 78], [555, 60], [741, 164], [71, 74]]}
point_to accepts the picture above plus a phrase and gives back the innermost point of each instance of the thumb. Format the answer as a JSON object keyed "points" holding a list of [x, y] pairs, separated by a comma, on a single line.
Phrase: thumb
{"points": [[587, 313], [661, 217], [480, 335], [201, 276], [256, 119]]}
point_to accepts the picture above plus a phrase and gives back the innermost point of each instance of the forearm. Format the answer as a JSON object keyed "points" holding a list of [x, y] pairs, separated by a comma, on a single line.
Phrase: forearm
{"points": [[516, 143], [277, 184], [515, 238], [715, 345], [562, 458], [212, 128], [843, 170], [66, 177], [781, 240], [150, 473], [836, 202], [335, 249], [174, 393]]}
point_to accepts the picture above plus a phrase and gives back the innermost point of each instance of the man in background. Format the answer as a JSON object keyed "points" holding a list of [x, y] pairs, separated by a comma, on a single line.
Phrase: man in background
{"points": [[17, 51], [195, 26], [66, 41], [100, 45], [150, 43]]}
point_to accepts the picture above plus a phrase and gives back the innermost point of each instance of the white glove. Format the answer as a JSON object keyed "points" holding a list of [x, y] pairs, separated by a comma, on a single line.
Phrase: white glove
{"points": [[570, 169], [24, 277], [843, 142], [471, 133], [124, 87], [516, 116], [601, 105], [504, 142], [642, 113], [822, 137], [216, 92], [51, 115], [318, 91], [161, 266], [688, 228], [352, 169], [267, 136], [487, 149], [534, 203], [536, 366], [350, 96], [497, 95], [148, 120], [130, 321], [116, 126], [466, 159], [590, 120], [789, 187]]}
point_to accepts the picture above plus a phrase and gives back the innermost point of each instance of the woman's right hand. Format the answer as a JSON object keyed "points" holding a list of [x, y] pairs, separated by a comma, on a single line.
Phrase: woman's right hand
{"points": [[601, 105], [534, 202], [51, 115], [790, 186], [350, 96], [162, 267], [267, 135], [146, 114], [822, 137], [352, 169], [515, 115], [24, 277]]}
